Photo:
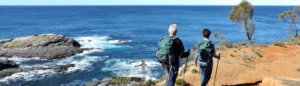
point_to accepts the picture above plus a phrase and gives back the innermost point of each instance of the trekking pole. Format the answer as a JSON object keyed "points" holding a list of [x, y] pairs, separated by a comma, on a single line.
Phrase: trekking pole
{"points": [[217, 70]]}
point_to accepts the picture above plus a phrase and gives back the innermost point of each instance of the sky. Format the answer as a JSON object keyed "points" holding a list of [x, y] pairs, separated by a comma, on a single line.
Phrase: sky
{"points": [[146, 2]]}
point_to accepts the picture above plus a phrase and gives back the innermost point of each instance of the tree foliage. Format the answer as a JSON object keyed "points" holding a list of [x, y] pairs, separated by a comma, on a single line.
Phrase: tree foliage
{"points": [[291, 17], [242, 14]]}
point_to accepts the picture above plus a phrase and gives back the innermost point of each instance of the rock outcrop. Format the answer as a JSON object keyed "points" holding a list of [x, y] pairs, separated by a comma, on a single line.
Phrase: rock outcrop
{"points": [[45, 46], [4, 64]]}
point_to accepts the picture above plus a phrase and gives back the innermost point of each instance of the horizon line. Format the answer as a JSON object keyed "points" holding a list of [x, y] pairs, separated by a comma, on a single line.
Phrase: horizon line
{"points": [[143, 5]]}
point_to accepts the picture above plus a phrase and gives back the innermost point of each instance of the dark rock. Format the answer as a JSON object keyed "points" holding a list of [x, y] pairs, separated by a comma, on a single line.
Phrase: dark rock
{"points": [[4, 64], [9, 71], [63, 68]]}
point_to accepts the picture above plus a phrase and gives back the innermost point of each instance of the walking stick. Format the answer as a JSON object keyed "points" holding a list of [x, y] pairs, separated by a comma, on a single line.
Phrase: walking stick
{"points": [[217, 70]]}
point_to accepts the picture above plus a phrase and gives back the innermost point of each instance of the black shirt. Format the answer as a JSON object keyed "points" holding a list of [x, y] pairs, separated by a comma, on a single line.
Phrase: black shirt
{"points": [[176, 51]]}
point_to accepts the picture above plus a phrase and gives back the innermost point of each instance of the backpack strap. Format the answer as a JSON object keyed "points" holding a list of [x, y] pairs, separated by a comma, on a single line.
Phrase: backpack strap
{"points": [[197, 51]]}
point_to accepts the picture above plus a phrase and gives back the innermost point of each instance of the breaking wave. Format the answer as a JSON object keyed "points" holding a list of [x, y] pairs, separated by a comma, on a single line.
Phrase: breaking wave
{"points": [[103, 42], [133, 68], [83, 61]]}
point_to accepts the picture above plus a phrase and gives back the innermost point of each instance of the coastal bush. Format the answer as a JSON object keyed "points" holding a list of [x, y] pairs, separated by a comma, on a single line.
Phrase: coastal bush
{"points": [[181, 82], [290, 41], [291, 17], [294, 41], [194, 71], [119, 81], [122, 81], [243, 14], [146, 83], [93, 83], [278, 43], [224, 44]]}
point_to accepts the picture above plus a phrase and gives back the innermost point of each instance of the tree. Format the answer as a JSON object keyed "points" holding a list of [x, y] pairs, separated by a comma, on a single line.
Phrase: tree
{"points": [[291, 17], [242, 14]]}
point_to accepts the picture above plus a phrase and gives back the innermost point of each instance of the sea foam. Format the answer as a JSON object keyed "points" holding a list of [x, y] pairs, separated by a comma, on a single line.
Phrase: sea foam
{"points": [[132, 68], [103, 42], [82, 61]]}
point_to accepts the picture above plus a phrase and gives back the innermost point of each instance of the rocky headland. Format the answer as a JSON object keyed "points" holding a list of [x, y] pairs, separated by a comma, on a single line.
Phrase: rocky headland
{"points": [[44, 46]]}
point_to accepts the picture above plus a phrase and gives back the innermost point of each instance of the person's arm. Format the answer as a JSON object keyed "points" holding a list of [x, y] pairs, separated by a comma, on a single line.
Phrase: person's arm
{"points": [[214, 52], [180, 48]]}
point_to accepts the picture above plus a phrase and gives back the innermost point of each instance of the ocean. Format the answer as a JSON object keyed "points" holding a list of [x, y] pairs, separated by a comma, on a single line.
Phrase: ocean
{"points": [[107, 27]]}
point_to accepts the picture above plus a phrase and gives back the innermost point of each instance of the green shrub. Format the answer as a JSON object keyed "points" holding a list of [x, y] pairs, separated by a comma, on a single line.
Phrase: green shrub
{"points": [[278, 43], [146, 83], [194, 71], [93, 83], [119, 80], [181, 82]]}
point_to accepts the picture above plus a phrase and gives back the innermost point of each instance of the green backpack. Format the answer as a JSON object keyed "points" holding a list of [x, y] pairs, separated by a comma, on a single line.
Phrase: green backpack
{"points": [[165, 44], [204, 50]]}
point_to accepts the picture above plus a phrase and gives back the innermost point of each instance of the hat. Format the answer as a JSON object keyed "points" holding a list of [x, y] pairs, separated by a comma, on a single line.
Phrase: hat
{"points": [[172, 30]]}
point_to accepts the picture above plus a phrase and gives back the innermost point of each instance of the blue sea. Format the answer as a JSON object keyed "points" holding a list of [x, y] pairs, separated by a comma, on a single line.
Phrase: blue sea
{"points": [[126, 34]]}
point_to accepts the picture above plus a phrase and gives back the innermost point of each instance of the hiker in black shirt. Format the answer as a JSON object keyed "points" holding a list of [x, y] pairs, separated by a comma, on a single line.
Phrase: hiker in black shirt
{"points": [[175, 49]]}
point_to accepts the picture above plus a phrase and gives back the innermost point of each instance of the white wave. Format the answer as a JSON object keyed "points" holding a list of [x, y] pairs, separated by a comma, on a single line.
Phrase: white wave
{"points": [[83, 64], [82, 61], [118, 41], [103, 42], [18, 60], [4, 40], [89, 52], [132, 68], [29, 76]]}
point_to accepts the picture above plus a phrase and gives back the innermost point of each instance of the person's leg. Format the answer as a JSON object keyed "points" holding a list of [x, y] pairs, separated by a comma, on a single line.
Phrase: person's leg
{"points": [[208, 71], [169, 78], [175, 73], [172, 76], [202, 74]]}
